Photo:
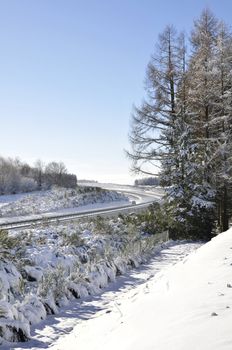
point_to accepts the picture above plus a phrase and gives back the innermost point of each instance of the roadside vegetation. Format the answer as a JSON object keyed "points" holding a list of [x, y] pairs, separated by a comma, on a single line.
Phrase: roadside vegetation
{"points": [[54, 264]]}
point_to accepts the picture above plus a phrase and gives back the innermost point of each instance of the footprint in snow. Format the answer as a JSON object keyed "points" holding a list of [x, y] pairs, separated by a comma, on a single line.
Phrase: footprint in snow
{"points": [[149, 277], [214, 314], [146, 289], [229, 285]]}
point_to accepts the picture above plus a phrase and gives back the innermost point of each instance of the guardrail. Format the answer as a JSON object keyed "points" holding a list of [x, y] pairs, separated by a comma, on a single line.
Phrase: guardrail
{"points": [[49, 218]]}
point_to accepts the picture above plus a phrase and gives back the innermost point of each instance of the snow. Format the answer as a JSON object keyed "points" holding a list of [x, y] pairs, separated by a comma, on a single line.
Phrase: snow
{"points": [[179, 299], [82, 209], [54, 264], [189, 307], [56, 199], [139, 192], [9, 198], [40, 205], [108, 302], [162, 306]]}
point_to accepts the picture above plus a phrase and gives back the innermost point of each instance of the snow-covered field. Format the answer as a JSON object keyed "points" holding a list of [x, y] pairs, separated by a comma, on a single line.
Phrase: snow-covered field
{"points": [[55, 200], [162, 305], [187, 306]]}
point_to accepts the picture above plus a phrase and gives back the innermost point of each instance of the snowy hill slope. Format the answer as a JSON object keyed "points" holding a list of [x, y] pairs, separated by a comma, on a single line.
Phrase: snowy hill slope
{"points": [[189, 307], [55, 199]]}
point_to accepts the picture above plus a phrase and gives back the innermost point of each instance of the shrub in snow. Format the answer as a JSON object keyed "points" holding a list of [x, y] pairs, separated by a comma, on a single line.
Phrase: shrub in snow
{"points": [[27, 185], [7, 242], [13, 326], [73, 239], [32, 274], [33, 309], [101, 225], [53, 283], [59, 263], [11, 281], [14, 331]]}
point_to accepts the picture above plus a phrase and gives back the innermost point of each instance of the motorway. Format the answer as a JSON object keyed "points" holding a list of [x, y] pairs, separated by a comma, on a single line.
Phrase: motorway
{"points": [[139, 199]]}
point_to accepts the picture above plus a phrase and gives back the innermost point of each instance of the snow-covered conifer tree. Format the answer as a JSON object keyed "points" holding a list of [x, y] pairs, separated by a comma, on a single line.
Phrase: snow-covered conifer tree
{"points": [[185, 125], [221, 125], [152, 123]]}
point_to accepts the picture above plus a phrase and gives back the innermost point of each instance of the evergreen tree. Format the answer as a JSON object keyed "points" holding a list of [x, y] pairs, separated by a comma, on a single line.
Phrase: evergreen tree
{"points": [[152, 124], [185, 127], [199, 104], [222, 125]]}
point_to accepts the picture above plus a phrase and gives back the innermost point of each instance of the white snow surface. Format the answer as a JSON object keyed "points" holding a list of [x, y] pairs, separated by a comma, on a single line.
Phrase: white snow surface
{"points": [[56, 199], [189, 307], [77, 321], [184, 306], [45, 268]]}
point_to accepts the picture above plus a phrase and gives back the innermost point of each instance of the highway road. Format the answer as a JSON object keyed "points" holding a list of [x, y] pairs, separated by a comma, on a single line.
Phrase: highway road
{"points": [[139, 199]]}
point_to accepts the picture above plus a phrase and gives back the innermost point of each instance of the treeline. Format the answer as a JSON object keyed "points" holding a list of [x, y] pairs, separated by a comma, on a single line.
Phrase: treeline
{"points": [[17, 176], [185, 126], [148, 181]]}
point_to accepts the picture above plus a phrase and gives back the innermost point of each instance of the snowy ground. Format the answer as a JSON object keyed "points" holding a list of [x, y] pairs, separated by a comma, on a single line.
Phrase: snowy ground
{"points": [[92, 322], [43, 269], [185, 306], [59, 202], [156, 191], [57, 199], [188, 306], [9, 198]]}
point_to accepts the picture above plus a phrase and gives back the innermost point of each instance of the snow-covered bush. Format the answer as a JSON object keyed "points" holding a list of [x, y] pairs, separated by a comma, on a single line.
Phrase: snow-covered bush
{"points": [[27, 185], [73, 239], [6, 241], [13, 325], [32, 309], [53, 284], [59, 263]]}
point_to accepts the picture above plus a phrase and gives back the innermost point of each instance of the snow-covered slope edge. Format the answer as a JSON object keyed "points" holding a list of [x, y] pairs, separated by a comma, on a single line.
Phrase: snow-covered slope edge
{"points": [[57, 264], [190, 307], [56, 199]]}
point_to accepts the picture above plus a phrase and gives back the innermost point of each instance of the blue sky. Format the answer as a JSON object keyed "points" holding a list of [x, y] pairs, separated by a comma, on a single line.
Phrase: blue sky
{"points": [[70, 71]]}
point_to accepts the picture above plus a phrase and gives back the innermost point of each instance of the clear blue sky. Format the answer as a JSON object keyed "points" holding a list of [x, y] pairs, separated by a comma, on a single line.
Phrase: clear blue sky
{"points": [[70, 71]]}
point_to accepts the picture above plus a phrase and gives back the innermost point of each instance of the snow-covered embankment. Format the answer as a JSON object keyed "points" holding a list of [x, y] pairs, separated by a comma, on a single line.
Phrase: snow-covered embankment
{"points": [[57, 199], [56, 264], [187, 307]]}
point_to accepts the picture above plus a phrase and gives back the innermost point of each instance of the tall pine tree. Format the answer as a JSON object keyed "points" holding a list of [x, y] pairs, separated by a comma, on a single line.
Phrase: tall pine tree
{"points": [[186, 126]]}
